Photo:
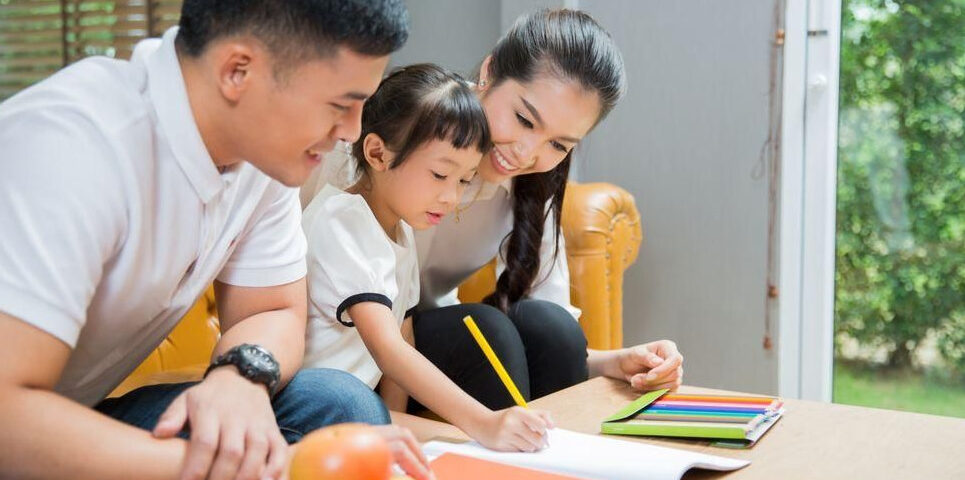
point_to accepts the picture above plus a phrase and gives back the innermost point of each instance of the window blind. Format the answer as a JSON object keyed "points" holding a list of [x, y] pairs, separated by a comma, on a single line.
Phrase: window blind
{"points": [[38, 37]]}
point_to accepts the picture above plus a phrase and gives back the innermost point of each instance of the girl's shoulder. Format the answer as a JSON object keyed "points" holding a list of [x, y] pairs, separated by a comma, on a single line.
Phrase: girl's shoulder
{"points": [[333, 203], [335, 213]]}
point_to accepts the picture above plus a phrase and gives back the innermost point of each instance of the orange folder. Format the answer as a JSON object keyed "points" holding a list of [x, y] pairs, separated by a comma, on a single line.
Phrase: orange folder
{"points": [[450, 466]]}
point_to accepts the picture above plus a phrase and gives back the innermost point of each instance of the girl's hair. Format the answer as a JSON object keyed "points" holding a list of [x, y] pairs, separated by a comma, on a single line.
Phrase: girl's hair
{"points": [[568, 45], [419, 103]]}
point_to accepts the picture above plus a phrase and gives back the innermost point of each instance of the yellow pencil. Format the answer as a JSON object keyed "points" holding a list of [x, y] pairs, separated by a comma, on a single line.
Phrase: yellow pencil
{"points": [[494, 360]]}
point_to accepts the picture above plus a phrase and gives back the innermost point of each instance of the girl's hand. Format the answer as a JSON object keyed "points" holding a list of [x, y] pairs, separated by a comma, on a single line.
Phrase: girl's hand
{"points": [[515, 429], [406, 451]]}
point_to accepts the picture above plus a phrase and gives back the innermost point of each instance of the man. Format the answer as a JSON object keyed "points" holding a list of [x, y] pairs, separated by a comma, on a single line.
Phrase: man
{"points": [[128, 187]]}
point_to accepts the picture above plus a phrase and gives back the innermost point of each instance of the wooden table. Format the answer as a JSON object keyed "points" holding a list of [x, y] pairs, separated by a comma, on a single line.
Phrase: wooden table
{"points": [[813, 439]]}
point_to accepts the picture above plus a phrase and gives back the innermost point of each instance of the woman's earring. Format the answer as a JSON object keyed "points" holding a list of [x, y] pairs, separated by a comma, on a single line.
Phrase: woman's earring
{"points": [[482, 83]]}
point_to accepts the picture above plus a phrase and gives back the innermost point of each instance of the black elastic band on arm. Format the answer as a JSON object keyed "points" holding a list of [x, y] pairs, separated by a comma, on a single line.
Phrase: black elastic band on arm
{"points": [[359, 298]]}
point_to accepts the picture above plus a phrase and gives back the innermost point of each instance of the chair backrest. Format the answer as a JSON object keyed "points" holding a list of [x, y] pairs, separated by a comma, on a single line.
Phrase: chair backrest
{"points": [[185, 351]]}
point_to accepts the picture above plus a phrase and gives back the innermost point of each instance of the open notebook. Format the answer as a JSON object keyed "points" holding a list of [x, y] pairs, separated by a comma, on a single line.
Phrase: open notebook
{"points": [[596, 457]]}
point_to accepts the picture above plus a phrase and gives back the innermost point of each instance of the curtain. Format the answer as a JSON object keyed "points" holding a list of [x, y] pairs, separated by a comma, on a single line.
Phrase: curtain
{"points": [[38, 37]]}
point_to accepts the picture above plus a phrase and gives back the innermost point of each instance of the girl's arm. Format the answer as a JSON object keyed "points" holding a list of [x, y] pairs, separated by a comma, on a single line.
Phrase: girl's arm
{"points": [[394, 396], [512, 429]]}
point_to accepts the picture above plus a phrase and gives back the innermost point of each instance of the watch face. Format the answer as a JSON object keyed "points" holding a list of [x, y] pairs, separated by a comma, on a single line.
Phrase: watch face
{"points": [[259, 366], [260, 358]]}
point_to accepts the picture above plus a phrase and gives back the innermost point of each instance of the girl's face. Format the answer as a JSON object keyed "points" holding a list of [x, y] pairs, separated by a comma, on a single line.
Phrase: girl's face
{"points": [[429, 184], [534, 125]]}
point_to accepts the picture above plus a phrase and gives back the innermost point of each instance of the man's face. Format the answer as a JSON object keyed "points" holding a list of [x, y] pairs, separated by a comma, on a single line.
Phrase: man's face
{"points": [[284, 126]]}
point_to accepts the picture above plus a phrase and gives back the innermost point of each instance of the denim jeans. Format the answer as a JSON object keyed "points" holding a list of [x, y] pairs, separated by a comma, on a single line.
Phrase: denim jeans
{"points": [[314, 398]]}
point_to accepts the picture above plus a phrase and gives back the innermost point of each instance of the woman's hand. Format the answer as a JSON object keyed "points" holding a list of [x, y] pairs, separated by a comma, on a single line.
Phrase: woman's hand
{"points": [[651, 366], [515, 429]]}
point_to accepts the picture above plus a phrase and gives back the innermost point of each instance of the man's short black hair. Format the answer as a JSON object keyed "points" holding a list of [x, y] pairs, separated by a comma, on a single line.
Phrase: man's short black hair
{"points": [[297, 30]]}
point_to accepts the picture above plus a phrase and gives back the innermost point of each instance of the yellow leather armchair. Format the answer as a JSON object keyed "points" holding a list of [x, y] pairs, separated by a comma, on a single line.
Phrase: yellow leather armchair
{"points": [[184, 354], [602, 228]]}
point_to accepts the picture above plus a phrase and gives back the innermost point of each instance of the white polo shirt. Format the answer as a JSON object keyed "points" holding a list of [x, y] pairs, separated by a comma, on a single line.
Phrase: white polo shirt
{"points": [[350, 261], [114, 218]]}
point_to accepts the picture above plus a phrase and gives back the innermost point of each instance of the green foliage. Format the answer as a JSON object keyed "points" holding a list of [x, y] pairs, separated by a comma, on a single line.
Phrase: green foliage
{"points": [[952, 346], [901, 186]]}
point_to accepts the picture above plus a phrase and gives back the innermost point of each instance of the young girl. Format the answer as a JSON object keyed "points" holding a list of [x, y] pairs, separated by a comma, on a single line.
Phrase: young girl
{"points": [[423, 135]]}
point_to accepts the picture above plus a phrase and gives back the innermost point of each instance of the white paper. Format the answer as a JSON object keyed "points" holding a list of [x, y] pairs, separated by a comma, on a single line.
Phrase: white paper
{"points": [[596, 457]]}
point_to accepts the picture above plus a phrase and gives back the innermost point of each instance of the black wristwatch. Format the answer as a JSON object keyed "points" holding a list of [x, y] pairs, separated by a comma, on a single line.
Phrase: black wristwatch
{"points": [[254, 363]]}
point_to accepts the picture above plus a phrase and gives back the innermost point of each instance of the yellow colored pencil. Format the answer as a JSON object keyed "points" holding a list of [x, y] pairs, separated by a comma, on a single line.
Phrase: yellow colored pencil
{"points": [[494, 361]]}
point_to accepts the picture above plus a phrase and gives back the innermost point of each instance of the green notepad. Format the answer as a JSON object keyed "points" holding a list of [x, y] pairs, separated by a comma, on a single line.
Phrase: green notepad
{"points": [[734, 429]]}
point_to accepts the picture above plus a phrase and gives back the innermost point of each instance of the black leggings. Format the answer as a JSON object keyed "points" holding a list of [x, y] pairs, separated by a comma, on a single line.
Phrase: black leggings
{"points": [[542, 347]]}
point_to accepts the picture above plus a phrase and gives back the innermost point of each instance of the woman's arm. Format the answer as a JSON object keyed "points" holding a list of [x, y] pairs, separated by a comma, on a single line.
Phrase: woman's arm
{"points": [[650, 366], [511, 429]]}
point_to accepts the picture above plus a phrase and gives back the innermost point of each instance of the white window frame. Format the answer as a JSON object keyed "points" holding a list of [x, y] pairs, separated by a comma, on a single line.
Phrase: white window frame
{"points": [[808, 198]]}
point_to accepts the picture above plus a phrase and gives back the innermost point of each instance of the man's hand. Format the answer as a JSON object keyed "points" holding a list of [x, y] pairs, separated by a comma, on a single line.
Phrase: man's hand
{"points": [[233, 429], [652, 366]]}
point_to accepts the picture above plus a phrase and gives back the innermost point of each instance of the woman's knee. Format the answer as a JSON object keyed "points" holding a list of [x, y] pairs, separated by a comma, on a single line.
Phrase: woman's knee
{"points": [[541, 322], [555, 345], [443, 338], [498, 329], [445, 326]]}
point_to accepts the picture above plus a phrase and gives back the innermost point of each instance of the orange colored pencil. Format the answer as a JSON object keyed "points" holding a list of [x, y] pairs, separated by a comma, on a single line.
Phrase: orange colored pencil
{"points": [[717, 398]]}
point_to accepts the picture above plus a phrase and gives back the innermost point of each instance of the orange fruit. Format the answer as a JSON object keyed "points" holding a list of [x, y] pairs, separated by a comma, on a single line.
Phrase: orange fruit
{"points": [[348, 451]]}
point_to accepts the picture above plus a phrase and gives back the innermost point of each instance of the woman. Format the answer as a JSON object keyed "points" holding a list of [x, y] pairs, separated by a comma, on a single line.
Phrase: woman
{"points": [[545, 85]]}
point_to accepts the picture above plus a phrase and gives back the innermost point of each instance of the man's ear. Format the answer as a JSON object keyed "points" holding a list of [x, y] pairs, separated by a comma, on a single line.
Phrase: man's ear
{"points": [[377, 155], [235, 63]]}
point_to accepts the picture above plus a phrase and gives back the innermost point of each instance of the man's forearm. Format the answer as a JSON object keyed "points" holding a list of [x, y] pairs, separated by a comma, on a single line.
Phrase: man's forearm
{"points": [[281, 332], [45, 436]]}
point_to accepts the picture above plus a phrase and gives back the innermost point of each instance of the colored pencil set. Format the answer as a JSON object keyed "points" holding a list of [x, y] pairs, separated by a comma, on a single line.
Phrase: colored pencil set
{"points": [[739, 418], [711, 409]]}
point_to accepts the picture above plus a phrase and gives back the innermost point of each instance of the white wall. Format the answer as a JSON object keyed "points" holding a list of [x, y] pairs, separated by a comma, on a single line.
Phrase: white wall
{"points": [[686, 142], [456, 34]]}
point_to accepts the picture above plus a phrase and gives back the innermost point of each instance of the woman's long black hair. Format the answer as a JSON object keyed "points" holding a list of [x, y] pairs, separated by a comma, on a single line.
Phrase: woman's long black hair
{"points": [[571, 46]]}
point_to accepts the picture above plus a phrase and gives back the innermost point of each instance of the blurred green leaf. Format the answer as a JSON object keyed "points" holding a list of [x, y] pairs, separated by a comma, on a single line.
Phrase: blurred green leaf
{"points": [[901, 177]]}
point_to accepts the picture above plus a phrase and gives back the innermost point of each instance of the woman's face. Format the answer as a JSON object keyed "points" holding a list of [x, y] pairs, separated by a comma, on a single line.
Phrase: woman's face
{"points": [[534, 125]]}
